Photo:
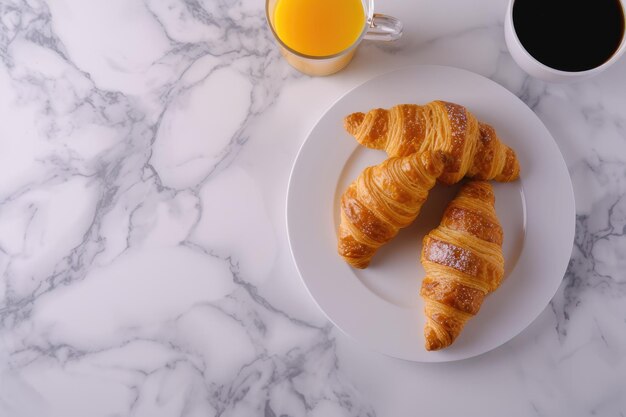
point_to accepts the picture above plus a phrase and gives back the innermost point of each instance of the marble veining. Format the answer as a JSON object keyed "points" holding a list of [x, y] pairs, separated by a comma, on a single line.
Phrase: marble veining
{"points": [[144, 152], [111, 170]]}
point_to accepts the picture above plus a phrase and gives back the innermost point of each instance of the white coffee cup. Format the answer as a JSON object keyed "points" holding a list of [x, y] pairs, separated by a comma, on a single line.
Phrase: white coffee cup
{"points": [[536, 69]]}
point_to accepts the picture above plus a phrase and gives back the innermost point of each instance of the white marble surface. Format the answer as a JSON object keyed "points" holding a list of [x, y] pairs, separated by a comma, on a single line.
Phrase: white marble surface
{"points": [[145, 148]]}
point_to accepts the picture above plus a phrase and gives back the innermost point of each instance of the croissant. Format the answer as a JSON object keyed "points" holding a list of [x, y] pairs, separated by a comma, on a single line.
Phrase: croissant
{"points": [[383, 199], [463, 261], [474, 148]]}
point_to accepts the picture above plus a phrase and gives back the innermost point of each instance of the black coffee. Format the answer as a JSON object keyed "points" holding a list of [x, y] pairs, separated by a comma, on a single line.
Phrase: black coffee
{"points": [[569, 35]]}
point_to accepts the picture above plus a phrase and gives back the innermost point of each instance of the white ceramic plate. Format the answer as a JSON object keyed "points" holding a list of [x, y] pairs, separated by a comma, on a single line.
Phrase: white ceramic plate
{"points": [[380, 306]]}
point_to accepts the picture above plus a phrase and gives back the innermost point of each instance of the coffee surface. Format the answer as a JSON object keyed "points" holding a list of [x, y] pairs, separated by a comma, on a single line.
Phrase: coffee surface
{"points": [[572, 35]]}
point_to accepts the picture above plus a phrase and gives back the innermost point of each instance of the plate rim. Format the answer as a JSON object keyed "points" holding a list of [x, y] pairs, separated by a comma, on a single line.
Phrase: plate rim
{"points": [[569, 192]]}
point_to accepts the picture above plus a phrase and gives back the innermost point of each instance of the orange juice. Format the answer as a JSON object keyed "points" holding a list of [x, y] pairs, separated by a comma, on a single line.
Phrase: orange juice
{"points": [[319, 27]]}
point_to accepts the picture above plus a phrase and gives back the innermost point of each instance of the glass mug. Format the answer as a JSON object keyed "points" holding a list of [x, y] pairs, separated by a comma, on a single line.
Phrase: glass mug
{"points": [[376, 26]]}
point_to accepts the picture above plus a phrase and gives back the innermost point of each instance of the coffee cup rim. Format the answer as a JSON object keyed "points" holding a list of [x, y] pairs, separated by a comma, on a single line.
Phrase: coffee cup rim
{"points": [[561, 73]]}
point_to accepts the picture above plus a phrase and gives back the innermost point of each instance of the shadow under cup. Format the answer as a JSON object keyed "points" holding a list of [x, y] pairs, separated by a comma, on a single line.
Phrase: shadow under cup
{"points": [[375, 27]]}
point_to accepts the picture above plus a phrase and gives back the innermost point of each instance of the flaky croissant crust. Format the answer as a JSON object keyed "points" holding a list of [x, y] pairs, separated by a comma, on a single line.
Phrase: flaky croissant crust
{"points": [[383, 199], [463, 261], [473, 148]]}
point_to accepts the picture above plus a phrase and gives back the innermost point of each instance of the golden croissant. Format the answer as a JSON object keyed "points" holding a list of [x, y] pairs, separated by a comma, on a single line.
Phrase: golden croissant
{"points": [[473, 148], [463, 261], [383, 199]]}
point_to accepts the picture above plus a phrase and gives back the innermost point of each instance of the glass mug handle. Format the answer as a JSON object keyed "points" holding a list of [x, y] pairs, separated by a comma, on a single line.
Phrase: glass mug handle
{"points": [[383, 28]]}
